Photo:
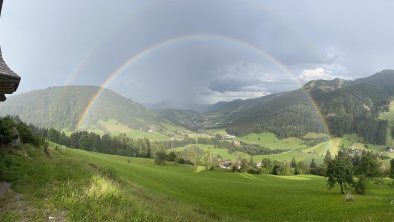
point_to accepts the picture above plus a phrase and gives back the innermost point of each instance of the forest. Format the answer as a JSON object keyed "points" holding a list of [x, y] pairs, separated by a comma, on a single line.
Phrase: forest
{"points": [[352, 109]]}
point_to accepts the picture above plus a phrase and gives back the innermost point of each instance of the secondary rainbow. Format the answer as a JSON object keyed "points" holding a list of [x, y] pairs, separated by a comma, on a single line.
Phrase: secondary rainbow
{"points": [[196, 36]]}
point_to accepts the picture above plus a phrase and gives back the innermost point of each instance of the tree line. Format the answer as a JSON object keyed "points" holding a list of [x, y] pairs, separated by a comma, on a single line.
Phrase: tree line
{"points": [[14, 131], [350, 169], [126, 146]]}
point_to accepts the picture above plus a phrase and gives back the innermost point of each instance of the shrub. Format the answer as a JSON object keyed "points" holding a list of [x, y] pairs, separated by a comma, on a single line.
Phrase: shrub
{"points": [[160, 157], [359, 186], [254, 170]]}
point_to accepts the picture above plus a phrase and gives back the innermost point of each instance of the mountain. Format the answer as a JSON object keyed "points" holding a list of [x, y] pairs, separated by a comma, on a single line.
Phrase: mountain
{"points": [[336, 107], [186, 118], [346, 107], [62, 108], [316, 87]]}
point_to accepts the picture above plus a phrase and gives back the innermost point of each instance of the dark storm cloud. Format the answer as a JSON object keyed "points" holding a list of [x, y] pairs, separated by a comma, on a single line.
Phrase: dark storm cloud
{"points": [[83, 42]]}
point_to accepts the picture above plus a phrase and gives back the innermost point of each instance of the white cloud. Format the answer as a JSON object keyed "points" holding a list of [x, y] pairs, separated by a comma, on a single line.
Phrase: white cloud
{"points": [[317, 73], [307, 75]]}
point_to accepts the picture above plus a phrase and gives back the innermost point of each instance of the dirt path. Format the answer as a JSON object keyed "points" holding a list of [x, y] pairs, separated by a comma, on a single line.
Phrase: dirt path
{"points": [[13, 207]]}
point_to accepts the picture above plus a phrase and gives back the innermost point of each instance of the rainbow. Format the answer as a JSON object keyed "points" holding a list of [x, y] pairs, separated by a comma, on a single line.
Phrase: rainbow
{"points": [[199, 36]]}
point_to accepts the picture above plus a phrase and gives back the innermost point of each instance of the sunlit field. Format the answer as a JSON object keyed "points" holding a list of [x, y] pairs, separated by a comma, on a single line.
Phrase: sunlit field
{"points": [[195, 110], [73, 180]]}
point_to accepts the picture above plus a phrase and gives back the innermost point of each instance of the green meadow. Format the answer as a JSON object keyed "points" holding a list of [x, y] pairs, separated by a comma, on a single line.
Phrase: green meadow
{"points": [[390, 117], [302, 153], [214, 151], [87, 186], [115, 128], [270, 141]]}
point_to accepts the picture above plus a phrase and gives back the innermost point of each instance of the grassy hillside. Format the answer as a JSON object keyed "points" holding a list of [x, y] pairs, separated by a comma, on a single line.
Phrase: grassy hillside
{"points": [[389, 116], [85, 186], [347, 107], [270, 140], [298, 149], [214, 151], [113, 127]]}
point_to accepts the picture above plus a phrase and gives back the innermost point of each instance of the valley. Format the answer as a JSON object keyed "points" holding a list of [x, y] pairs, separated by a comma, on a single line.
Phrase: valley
{"points": [[196, 111], [245, 160], [232, 122]]}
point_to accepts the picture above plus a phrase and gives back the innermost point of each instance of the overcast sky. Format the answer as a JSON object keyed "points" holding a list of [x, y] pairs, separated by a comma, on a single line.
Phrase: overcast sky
{"points": [[195, 51]]}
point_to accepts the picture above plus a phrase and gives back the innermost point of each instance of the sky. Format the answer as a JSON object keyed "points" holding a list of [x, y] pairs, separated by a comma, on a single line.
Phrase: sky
{"points": [[191, 52]]}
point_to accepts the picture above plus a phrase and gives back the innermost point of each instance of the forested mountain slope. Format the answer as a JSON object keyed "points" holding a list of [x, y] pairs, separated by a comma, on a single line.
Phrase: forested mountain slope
{"points": [[346, 106], [62, 107]]}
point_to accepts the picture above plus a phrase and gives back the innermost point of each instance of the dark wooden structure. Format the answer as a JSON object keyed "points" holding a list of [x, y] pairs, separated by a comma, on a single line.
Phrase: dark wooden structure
{"points": [[9, 80]]}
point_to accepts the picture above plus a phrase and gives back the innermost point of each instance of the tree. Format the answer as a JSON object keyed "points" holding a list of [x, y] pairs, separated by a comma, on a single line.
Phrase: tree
{"points": [[340, 171], [25, 134], [193, 154], [314, 168], [282, 169], [392, 132], [207, 160], [293, 163], [368, 166], [392, 169], [171, 156], [53, 135], [85, 142], [7, 131], [327, 157], [160, 157], [302, 168], [244, 165], [266, 165]]}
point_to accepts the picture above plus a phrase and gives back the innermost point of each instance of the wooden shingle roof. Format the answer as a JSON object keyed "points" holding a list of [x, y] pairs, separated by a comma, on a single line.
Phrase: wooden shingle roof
{"points": [[9, 80]]}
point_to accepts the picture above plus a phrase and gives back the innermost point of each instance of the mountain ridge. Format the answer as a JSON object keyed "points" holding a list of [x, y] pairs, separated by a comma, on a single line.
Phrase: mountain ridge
{"points": [[61, 107], [346, 107]]}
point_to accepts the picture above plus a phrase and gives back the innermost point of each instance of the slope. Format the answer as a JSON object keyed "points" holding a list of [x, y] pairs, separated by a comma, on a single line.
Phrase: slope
{"points": [[62, 108], [347, 107], [105, 187]]}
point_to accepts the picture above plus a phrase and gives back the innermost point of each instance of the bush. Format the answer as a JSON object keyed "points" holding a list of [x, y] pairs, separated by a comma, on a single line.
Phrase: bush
{"points": [[7, 131], [359, 186], [160, 157], [25, 134], [282, 169], [254, 170]]}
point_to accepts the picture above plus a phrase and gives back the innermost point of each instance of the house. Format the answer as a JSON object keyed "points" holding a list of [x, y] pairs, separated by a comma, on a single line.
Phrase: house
{"points": [[9, 80], [389, 150], [227, 136], [226, 164]]}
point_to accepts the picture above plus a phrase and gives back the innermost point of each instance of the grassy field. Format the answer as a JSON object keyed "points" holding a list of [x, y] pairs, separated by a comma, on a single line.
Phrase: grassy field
{"points": [[88, 186], [215, 151], [114, 127], [288, 156], [270, 141], [316, 152], [390, 117]]}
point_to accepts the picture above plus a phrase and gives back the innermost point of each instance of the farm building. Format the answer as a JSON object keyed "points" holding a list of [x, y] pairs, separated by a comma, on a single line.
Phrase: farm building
{"points": [[389, 150], [9, 80]]}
